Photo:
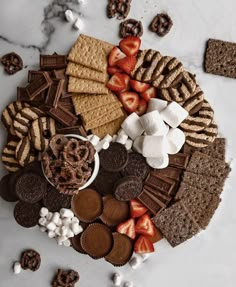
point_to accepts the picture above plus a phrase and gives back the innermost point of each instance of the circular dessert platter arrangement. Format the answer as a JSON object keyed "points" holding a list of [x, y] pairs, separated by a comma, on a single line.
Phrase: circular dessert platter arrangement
{"points": [[109, 150]]}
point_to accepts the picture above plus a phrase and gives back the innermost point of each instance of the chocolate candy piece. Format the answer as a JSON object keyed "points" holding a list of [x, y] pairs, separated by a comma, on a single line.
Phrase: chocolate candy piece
{"points": [[65, 278], [62, 115], [87, 205], [131, 27], [97, 240], [27, 214], [179, 160], [59, 74], [128, 188], [76, 130], [120, 8], [50, 62], [122, 250], [76, 243], [170, 172], [7, 190], [30, 187], [161, 183], [115, 158], [30, 259], [54, 93], [161, 24], [136, 166], [12, 63], [54, 200], [153, 204], [158, 194], [34, 75]]}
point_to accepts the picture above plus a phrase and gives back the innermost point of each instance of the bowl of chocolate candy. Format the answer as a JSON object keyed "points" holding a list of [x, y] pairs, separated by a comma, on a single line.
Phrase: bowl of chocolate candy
{"points": [[71, 163]]}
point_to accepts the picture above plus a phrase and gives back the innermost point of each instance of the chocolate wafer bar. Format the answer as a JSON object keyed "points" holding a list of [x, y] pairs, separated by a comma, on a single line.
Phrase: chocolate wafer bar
{"points": [[161, 183], [54, 93], [179, 160], [153, 204], [52, 62], [39, 85], [61, 115]]}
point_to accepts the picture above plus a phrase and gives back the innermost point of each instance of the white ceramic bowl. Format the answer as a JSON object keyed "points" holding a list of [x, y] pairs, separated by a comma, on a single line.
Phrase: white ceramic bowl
{"points": [[95, 169]]}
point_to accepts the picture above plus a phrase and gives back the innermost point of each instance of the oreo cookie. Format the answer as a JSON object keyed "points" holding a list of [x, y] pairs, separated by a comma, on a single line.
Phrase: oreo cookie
{"points": [[27, 214], [7, 191], [128, 188], [54, 200]]}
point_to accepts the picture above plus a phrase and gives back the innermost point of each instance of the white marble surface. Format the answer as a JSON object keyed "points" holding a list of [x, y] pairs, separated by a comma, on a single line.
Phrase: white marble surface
{"points": [[29, 27]]}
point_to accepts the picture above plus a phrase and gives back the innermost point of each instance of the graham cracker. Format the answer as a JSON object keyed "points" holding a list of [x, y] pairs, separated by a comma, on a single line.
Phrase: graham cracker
{"points": [[90, 52], [82, 72], [84, 86], [85, 103]]}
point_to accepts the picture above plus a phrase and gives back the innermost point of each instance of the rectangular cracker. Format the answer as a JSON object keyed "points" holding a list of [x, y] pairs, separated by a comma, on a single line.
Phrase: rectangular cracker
{"points": [[90, 52], [82, 72], [85, 103], [220, 58], [84, 86]]}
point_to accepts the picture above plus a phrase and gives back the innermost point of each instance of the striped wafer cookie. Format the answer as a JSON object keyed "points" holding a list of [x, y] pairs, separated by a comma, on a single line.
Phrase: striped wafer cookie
{"points": [[8, 157], [24, 154], [23, 120], [199, 121], [194, 103]]}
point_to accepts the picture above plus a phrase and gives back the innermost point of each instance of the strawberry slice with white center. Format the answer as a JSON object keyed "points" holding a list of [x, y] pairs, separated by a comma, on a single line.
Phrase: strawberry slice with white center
{"points": [[143, 245], [145, 226], [128, 228], [139, 86], [130, 101], [130, 45], [115, 55], [142, 107], [127, 81], [113, 70], [136, 208], [149, 93], [117, 83], [127, 64]]}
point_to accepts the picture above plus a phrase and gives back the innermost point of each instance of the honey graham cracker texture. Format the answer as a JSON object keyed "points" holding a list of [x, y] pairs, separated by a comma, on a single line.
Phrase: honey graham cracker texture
{"points": [[84, 86]]}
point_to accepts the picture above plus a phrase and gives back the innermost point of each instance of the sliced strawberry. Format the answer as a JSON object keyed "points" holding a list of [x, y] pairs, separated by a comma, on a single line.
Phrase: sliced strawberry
{"points": [[127, 64], [142, 107], [115, 55], [139, 86], [127, 81], [143, 245], [128, 228], [130, 45], [136, 208], [116, 83], [156, 237], [130, 101], [145, 226], [149, 93], [113, 70]]}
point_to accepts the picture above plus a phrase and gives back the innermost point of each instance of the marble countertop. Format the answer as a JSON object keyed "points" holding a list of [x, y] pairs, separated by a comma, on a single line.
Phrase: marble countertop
{"points": [[31, 27]]}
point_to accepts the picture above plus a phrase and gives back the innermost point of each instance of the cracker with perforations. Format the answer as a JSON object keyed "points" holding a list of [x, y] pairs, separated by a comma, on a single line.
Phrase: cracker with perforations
{"points": [[83, 86]]}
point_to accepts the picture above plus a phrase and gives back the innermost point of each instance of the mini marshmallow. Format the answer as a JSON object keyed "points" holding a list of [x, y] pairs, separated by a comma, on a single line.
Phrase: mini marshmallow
{"points": [[79, 24], [61, 239], [114, 138], [17, 268], [51, 234], [174, 114], [153, 123], [49, 216], [66, 243], [94, 140], [64, 230], [51, 226], [156, 105], [42, 221], [176, 139], [135, 262], [58, 231], [43, 229], [66, 221], [56, 217], [43, 212], [76, 228], [59, 223], [145, 256], [138, 144], [128, 144], [158, 162], [70, 233], [154, 146], [122, 139], [128, 284], [66, 213], [75, 219], [69, 16], [104, 143], [116, 279], [132, 126]]}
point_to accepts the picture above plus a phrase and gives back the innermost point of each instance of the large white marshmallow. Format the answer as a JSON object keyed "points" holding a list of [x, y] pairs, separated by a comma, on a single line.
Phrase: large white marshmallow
{"points": [[154, 146], [156, 105], [176, 139], [165, 131], [153, 123], [158, 162], [138, 144], [132, 126], [174, 114]]}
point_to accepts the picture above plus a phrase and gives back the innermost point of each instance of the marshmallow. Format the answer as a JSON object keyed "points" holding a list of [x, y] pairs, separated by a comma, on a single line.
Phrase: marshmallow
{"points": [[94, 140], [66, 221], [114, 138], [43, 212], [51, 226], [135, 262], [174, 114], [116, 279], [176, 139], [70, 233], [66, 213], [59, 223], [64, 230], [66, 243], [154, 146], [43, 229], [79, 24], [128, 144], [121, 132], [76, 228], [128, 284], [51, 234], [104, 143], [156, 105], [69, 16], [132, 126], [58, 231], [75, 219], [49, 216], [138, 144], [42, 221], [56, 217], [153, 123], [17, 268], [158, 162], [61, 239], [122, 139], [145, 256]]}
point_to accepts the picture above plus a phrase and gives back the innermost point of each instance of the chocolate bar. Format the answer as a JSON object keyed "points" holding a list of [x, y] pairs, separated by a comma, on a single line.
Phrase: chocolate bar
{"points": [[179, 160], [38, 85], [59, 74], [170, 172], [61, 115], [54, 93], [153, 204], [52, 62], [77, 130], [34, 75], [161, 183], [22, 95], [162, 197]]}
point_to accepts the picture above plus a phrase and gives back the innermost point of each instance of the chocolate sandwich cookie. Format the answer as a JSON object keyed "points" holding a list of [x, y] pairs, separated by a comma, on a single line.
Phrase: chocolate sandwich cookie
{"points": [[41, 130], [23, 120], [54, 200], [27, 214], [200, 120], [8, 157], [97, 240], [24, 152], [128, 188], [76, 243], [122, 250], [115, 158], [194, 103], [7, 191]]}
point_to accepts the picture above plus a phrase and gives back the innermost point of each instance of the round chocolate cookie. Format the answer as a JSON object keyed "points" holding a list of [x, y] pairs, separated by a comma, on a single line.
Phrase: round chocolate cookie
{"points": [[27, 214], [30, 187], [87, 205], [97, 240], [76, 243], [122, 250], [54, 200], [128, 188], [114, 211], [7, 191], [105, 181], [136, 166], [115, 158]]}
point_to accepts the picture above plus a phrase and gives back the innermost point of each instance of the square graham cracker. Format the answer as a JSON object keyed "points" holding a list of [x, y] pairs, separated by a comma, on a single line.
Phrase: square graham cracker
{"points": [[84, 86]]}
